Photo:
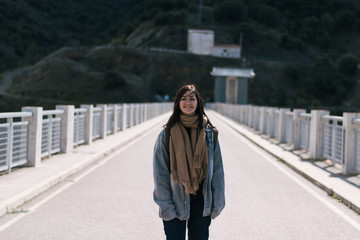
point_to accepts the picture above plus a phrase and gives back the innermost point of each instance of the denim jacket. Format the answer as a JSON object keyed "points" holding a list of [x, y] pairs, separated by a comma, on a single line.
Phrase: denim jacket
{"points": [[171, 197]]}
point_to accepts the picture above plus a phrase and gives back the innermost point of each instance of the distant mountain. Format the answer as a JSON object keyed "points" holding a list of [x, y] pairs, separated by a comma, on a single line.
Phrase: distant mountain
{"points": [[305, 53]]}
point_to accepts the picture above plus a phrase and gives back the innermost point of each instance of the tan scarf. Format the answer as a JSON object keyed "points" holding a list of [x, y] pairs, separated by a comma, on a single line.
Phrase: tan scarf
{"points": [[188, 158]]}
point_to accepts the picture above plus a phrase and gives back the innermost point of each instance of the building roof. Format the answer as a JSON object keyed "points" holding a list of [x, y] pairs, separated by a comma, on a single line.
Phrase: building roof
{"points": [[200, 31], [233, 72], [227, 45]]}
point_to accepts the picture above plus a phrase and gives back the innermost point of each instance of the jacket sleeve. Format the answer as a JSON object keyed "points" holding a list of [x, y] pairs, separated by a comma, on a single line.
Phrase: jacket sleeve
{"points": [[161, 170], [217, 184]]}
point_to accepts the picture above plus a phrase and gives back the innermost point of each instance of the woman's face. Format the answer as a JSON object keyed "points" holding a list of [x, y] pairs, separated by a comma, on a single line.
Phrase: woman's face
{"points": [[188, 103]]}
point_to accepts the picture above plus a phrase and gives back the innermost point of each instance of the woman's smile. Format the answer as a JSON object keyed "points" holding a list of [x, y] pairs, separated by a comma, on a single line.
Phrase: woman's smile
{"points": [[188, 103]]}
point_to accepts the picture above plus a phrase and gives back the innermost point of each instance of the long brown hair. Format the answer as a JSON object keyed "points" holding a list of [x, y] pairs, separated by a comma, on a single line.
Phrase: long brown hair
{"points": [[177, 111]]}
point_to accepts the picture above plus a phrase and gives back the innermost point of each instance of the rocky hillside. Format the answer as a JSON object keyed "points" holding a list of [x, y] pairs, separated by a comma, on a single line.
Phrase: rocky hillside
{"points": [[305, 53], [110, 74]]}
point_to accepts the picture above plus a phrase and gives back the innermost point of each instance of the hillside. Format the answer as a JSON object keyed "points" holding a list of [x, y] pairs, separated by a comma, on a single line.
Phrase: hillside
{"points": [[111, 74], [305, 53]]}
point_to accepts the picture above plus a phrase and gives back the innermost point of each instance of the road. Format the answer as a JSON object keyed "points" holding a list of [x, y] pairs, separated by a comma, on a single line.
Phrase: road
{"points": [[113, 200]]}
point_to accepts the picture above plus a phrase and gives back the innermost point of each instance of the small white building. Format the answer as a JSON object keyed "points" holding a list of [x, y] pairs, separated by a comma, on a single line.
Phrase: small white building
{"points": [[227, 50], [201, 41]]}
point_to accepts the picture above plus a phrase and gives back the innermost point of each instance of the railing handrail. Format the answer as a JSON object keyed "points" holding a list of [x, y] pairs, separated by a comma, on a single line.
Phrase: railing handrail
{"points": [[80, 110], [356, 120], [15, 114], [53, 112], [289, 113], [305, 114], [331, 117]]}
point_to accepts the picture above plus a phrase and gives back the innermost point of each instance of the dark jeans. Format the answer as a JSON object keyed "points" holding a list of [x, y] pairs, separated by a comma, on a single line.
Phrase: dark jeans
{"points": [[198, 226]]}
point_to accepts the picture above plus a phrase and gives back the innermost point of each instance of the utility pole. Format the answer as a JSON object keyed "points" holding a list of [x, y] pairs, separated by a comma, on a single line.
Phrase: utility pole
{"points": [[200, 11], [240, 44]]}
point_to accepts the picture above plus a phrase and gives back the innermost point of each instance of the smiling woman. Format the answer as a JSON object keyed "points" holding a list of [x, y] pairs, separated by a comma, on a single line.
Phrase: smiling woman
{"points": [[188, 103], [188, 170]]}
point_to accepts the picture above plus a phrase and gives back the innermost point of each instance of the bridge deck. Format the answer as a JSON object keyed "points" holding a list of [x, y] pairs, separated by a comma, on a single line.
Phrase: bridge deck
{"points": [[113, 199]]}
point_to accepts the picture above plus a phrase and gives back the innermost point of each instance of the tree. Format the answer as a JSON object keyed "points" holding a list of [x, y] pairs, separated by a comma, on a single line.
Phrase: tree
{"points": [[267, 15], [230, 11], [324, 78], [348, 64], [346, 19]]}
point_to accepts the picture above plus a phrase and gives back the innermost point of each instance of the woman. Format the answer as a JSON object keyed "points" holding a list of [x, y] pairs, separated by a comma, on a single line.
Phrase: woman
{"points": [[188, 170]]}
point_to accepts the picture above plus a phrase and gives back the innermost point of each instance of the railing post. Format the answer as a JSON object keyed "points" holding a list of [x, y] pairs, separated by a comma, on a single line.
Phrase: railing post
{"points": [[103, 120], [131, 123], [124, 117], [316, 133], [35, 134], [262, 120], [115, 118], [271, 122], [296, 136], [145, 111], [67, 128], [349, 146], [282, 120], [241, 117], [250, 122], [137, 113], [88, 122]]}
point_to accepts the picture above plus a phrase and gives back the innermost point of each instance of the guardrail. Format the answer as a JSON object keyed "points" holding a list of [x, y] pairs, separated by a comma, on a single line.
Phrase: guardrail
{"points": [[27, 137], [14, 135], [318, 133]]}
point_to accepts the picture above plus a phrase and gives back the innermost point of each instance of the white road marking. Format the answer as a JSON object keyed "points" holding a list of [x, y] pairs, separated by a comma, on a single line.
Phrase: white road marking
{"points": [[69, 184], [286, 172]]}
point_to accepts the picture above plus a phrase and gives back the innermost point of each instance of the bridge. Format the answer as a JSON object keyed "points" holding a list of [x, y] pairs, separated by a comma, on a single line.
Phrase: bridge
{"points": [[86, 173]]}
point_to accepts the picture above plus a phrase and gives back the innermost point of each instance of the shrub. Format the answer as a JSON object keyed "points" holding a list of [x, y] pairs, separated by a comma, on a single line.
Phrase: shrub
{"points": [[113, 80], [267, 15], [163, 19], [348, 64], [230, 11], [346, 19]]}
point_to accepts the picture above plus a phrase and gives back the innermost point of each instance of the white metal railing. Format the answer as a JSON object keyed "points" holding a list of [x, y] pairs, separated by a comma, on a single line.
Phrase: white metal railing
{"points": [[323, 136], [137, 114], [129, 116], [275, 132], [357, 144], [119, 113], [305, 119], [289, 127], [60, 130], [51, 132], [267, 122], [14, 136], [79, 126], [96, 123], [332, 138], [258, 119], [109, 120]]}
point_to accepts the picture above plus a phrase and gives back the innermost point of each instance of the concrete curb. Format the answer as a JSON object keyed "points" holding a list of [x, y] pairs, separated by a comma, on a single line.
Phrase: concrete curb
{"points": [[47, 183], [344, 192]]}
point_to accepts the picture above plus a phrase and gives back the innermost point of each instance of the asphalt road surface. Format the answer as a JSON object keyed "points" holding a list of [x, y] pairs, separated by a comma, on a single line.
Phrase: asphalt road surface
{"points": [[113, 200]]}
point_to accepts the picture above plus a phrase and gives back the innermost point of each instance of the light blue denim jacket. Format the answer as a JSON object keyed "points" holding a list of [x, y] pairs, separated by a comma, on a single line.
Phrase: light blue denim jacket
{"points": [[171, 197]]}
